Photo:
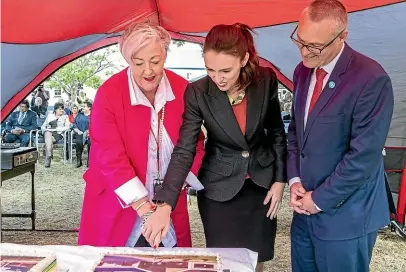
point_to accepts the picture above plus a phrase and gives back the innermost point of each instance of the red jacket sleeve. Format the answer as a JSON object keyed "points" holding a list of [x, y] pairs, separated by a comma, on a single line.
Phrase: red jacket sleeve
{"points": [[108, 151]]}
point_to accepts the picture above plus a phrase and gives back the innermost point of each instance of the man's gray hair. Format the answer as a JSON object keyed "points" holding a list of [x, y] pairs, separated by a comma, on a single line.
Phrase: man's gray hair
{"points": [[328, 9]]}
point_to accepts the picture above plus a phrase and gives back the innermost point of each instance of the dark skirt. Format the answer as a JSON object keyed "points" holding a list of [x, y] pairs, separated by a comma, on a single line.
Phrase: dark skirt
{"points": [[57, 136], [240, 222]]}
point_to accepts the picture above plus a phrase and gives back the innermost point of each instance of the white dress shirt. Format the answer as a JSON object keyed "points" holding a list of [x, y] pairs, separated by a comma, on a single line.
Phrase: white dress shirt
{"points": [[134, 190], [329, 69], [62, 123]]}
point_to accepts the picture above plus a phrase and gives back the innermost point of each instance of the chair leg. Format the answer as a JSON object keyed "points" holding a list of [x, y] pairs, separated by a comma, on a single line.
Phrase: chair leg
{"points": [[65, 159], [71, 148]]}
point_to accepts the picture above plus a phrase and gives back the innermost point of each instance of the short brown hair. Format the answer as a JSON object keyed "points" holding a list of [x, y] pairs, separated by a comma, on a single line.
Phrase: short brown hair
{"points": [[26, 103], [235, 40], [328, 9]]}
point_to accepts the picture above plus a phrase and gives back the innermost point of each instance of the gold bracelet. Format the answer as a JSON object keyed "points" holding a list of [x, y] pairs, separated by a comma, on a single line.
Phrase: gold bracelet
{"points": [[142, 204]]}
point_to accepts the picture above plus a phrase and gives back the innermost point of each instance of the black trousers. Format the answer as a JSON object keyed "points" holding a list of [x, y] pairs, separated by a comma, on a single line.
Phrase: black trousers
{"points": [[80, 146]]}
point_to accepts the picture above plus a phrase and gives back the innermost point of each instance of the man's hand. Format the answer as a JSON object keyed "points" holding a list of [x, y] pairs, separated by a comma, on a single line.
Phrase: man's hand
{"points": [[296, 193], [275, 196], [308, 203], [17, 131], [157, 225]]}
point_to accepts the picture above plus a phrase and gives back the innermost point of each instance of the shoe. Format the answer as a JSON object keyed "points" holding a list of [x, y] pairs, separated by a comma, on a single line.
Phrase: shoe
{"points": [[79, 163]]}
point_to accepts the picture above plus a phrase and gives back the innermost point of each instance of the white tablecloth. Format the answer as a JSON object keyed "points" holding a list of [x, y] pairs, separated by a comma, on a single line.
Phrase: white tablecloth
{"points": [[83, 258]]}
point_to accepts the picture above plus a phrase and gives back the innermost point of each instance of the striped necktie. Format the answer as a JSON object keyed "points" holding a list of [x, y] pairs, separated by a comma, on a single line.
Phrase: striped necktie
{"points": [[21, 117]]}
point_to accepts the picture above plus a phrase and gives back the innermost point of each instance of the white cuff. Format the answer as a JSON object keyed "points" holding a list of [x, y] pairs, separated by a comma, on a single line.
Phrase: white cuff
{"points": [[294, 180], [130, 192], [317, 207]]}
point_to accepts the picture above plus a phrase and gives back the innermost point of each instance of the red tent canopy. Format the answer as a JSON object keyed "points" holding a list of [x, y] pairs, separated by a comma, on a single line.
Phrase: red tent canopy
{"points": [[44, 21], [40, 36]]}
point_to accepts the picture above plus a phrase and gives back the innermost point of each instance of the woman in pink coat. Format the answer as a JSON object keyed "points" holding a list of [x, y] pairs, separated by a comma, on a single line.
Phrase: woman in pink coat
{"points": [[135, 124]]}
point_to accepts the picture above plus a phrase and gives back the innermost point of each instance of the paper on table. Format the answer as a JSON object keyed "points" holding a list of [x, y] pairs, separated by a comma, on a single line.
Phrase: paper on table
{"points": [[194, 182]]}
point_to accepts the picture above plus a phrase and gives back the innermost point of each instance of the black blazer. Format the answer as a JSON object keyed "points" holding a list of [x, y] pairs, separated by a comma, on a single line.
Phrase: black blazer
{"points": [[229, 155]]}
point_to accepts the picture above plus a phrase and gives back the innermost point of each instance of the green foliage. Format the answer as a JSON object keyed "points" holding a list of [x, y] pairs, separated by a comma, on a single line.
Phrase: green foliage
{"points": [[84, 71], [178, 43]]}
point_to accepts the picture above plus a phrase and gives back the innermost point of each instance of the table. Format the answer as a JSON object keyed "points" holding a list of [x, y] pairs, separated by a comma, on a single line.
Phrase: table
{"points": [[83, 258], [11, 173]]}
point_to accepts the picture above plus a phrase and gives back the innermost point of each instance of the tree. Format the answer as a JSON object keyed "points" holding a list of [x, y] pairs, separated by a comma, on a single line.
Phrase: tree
{"points": [[84, 71], [178, 43]]}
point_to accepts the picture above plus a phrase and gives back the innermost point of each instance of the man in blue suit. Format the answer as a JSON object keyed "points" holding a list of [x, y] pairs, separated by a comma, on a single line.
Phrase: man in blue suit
{"points": [[20, 124], [342, 109]]}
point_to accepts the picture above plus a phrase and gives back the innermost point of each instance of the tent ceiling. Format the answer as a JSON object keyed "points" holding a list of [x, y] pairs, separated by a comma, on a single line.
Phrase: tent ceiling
{"points": [[45, 21]]}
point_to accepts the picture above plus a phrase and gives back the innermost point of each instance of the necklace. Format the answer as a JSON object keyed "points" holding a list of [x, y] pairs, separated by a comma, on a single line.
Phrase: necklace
{"points": [[238, 99], [158, 180]]}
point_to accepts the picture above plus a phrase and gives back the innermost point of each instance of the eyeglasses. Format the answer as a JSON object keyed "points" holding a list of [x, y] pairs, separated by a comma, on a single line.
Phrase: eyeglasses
{"points": [[312, 49]]}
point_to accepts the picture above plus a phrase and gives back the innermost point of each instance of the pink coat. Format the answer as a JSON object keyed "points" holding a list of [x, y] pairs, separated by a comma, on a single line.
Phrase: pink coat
{"points": [[119, 135]]}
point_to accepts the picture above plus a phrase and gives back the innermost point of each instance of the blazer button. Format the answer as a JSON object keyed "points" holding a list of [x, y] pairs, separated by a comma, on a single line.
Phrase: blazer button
{"points": [[302, 155], [245, 154]]}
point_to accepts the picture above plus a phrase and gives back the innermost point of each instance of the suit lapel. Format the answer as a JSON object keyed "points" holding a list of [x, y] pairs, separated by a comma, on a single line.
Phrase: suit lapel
{"points": [[255, 103], [329, 89], [302, 90], [222, 112], [325, 96]]}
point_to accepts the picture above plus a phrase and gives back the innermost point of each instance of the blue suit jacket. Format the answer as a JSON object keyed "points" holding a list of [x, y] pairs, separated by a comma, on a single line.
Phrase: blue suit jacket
{"points": [[29, 122], [338, 155]]}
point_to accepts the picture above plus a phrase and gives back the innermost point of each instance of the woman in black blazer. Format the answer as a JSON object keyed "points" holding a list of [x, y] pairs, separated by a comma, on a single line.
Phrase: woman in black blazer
{"points": [[244, 168]]}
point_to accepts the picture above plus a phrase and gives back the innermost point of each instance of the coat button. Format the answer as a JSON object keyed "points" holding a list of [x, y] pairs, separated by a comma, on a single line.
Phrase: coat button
{"points": [[302, 155], [245, 154]]}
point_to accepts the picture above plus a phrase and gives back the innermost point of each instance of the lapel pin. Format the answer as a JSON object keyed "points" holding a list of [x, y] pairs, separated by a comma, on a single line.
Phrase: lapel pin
{"points": [[331, 84]]}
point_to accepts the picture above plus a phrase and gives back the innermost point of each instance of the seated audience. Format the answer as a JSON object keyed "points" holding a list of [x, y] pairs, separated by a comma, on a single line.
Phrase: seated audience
{"points": [[54, 126], [74, 112], [20, 123], [81, 130]]}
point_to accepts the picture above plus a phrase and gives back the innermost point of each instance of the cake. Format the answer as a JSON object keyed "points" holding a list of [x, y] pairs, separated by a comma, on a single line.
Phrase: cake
{"points": [[27, 261], [158, 261]]}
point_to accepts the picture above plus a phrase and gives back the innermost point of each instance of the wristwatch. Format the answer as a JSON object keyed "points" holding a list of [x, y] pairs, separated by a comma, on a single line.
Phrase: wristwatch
{"points": [[160, 203]]}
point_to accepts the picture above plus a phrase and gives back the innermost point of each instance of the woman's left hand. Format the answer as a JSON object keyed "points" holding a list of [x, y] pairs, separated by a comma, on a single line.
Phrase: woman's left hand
{"points": [[275, 196], [157, 225]]}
